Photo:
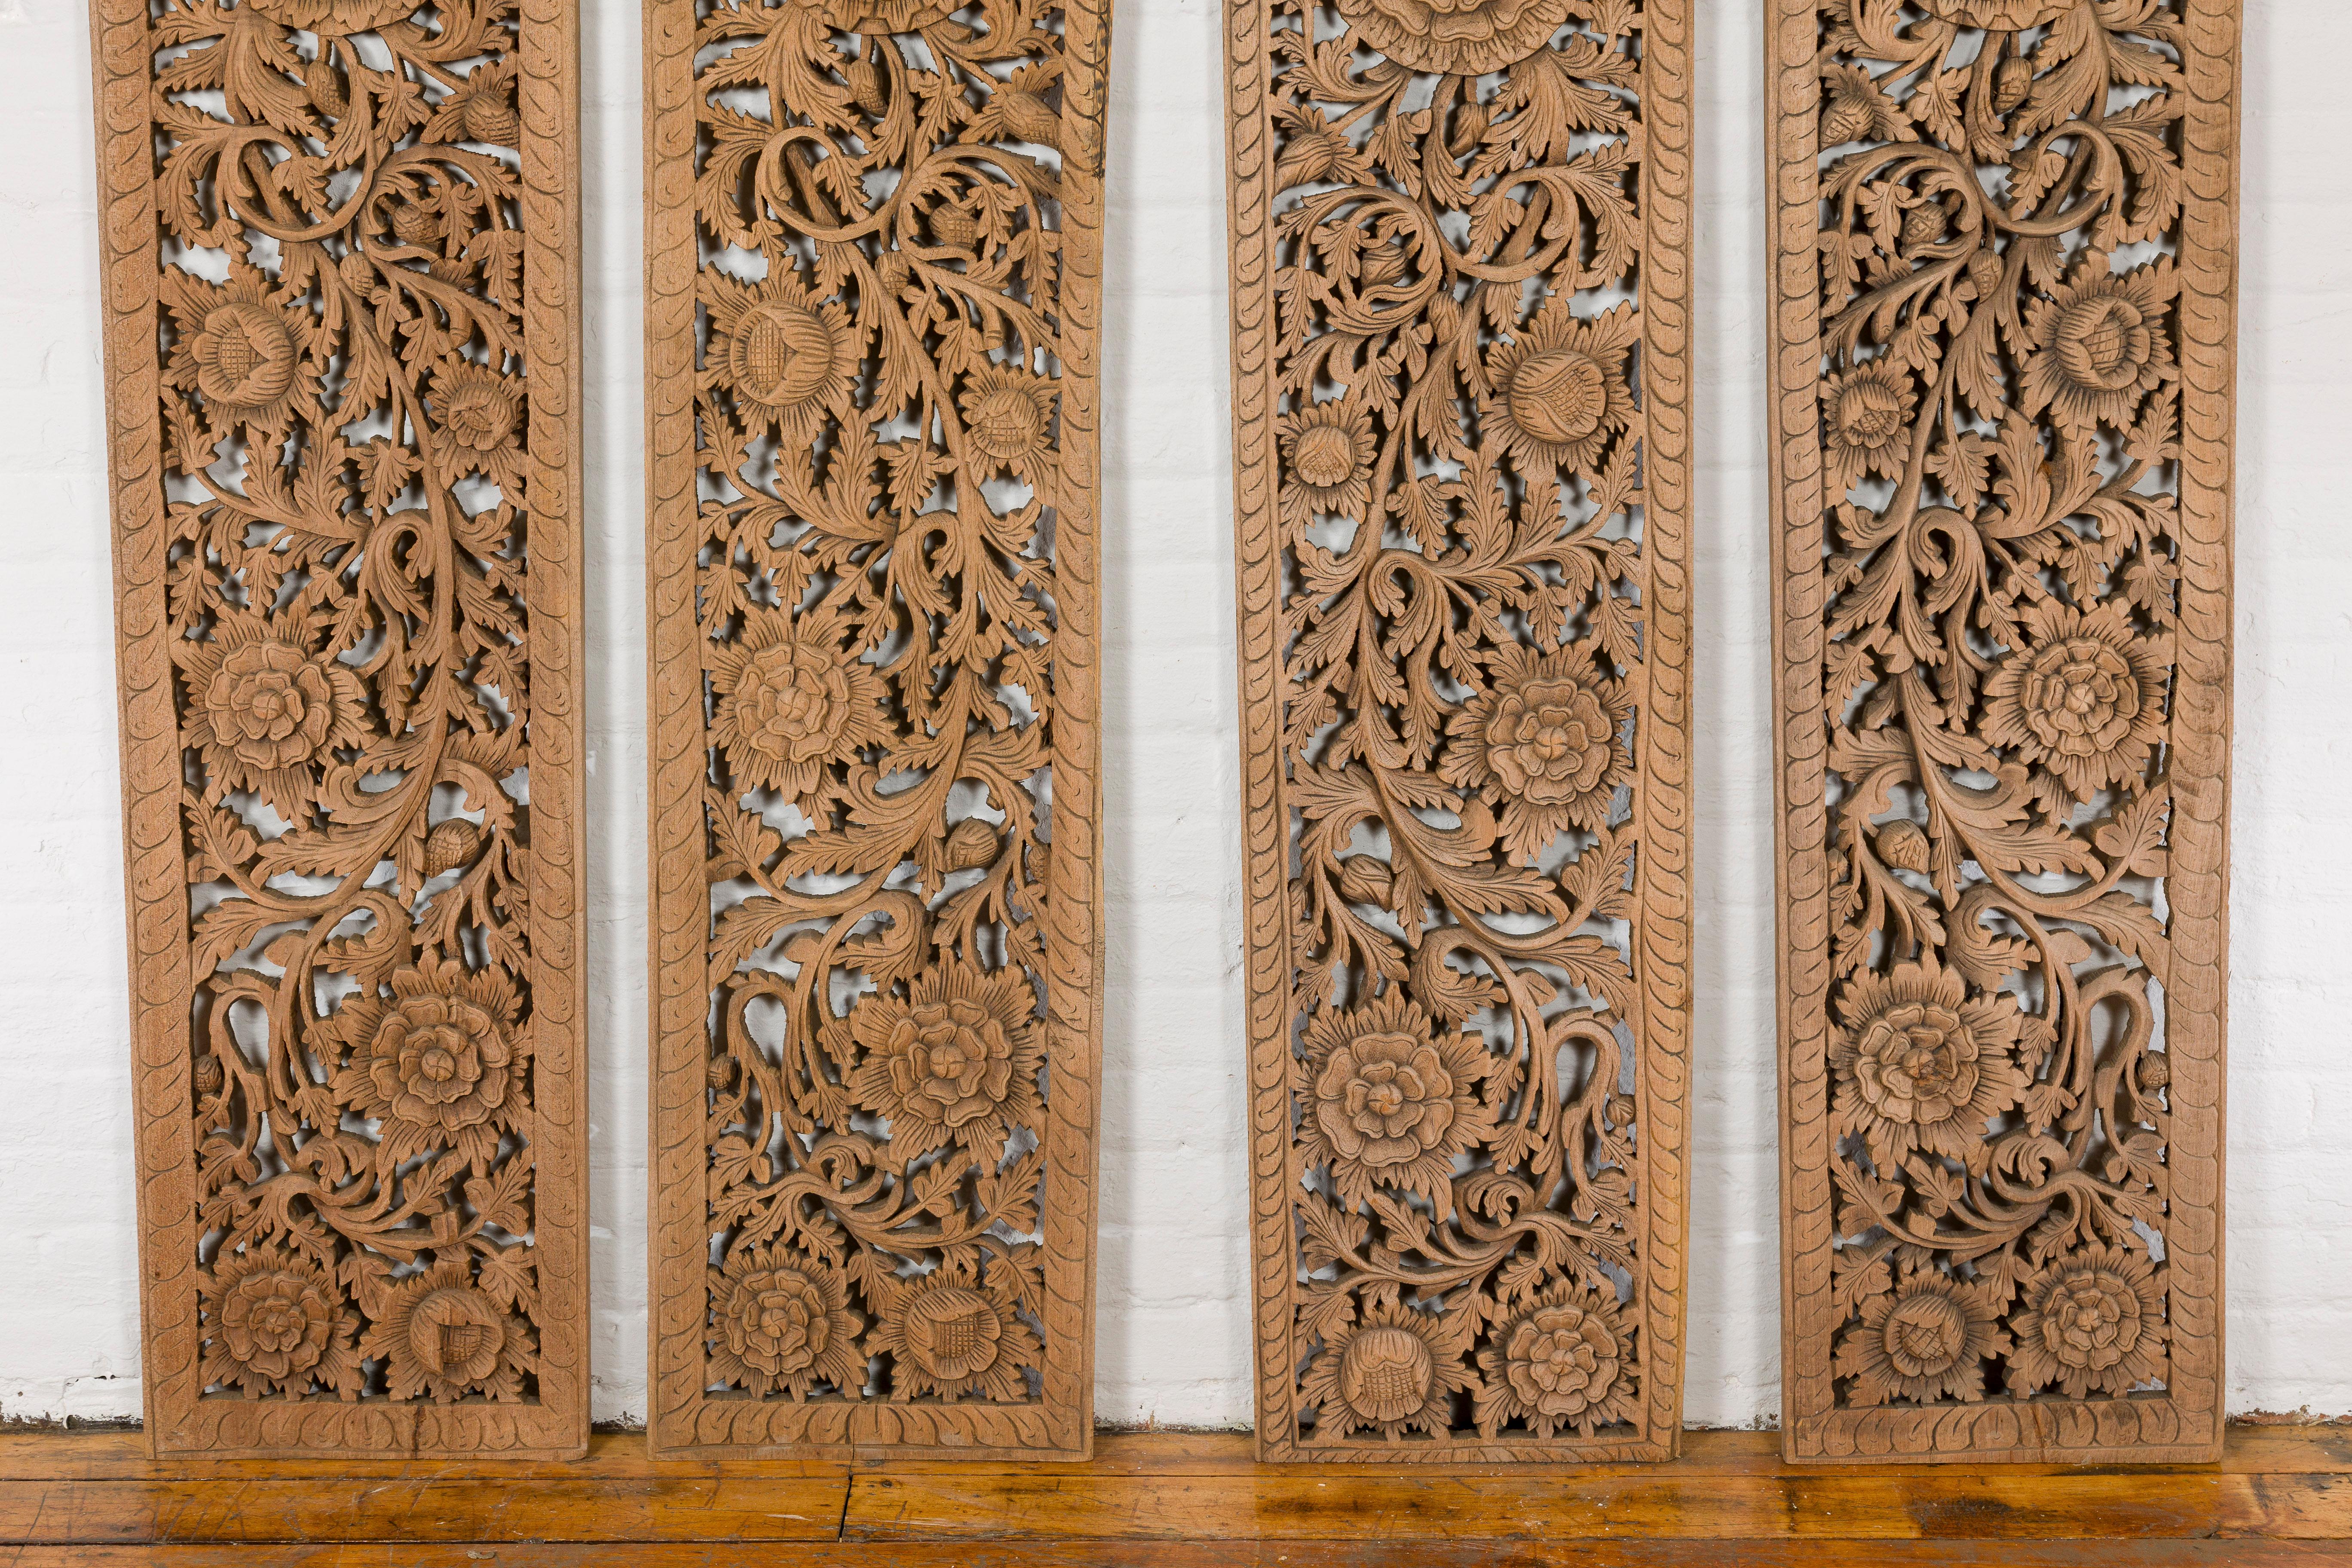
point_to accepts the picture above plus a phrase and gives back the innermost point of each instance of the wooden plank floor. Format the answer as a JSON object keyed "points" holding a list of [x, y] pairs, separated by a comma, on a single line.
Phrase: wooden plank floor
{"points": [[2282, 1496]]}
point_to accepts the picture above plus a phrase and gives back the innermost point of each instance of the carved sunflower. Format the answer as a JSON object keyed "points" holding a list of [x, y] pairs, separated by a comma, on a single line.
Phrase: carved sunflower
{"points": [[275, 1322], [1566, 1361], [440, 1062], [1394, 1102], [1545, 742], [781, 1319], [784, 355], [791, 702], [1866, 422], [1924, 1341], [238, 348], [2104, 344], [1558, 388], [1327, 455], [480, 413], [1008, 417], [265, 713], [2090, 1321], [956, 1061], [953, 1340], [1394, 1371], [1457, 38], [440, 1334], [1919, 1065], [2083, 697]]}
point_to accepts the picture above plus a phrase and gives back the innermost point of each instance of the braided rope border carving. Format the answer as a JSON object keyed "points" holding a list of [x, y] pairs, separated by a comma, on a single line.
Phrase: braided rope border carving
{"points": [[181, 1417], [1056, 1421], [2182, 1422], [1659, 951]]}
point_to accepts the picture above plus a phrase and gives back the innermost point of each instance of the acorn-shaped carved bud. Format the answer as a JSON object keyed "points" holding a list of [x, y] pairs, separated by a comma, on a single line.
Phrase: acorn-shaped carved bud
{"points": [[2154, 1071], [1902, 846], [323, 84], [719, 1071], [1365, 879], [1923, 226], [971, 843], [1381, 265], [1849, 113], [450, 845], [1028, 118], [489, 116], [1985, 270], [865, 80], [954, 227], [1469, 125], [2011, 81], [209, 1078], [415, 225], [358, 276], [1620, 1111]]}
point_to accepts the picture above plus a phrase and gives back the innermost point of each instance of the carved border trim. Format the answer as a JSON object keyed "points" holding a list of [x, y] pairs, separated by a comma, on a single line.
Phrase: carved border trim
{"points": [[2184, 1425], [178, 1418], [683, 1420], [1663, 936]]}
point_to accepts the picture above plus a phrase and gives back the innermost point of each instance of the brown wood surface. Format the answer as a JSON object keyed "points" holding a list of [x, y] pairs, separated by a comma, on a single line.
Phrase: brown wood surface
{"points": [[2279, 1496], [2002, 603]]}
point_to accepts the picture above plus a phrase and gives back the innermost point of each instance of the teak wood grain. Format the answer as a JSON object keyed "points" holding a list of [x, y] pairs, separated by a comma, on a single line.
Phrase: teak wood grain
{"points": [[2277, 1498], [341, 247], [2004, 263], [873, 256], [1460, 291]]}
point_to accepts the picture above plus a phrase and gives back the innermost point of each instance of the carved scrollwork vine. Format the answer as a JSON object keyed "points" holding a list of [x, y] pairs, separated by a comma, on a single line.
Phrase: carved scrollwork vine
{"points": [[1460, 428], [874, 226], [1997, 601], [342, 365]]}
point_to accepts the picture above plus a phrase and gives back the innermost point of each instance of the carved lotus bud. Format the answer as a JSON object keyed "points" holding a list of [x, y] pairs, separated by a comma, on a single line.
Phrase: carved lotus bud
{"points": [[970, 843], [864, 79], [1924, 226], [450, 845], [2012, 79], [1620, 1111], [1365, 879], [2154, 1071], [953, 227], [1849, 108], [416, 223], [1902, 847], [209, 1075], [489, 115], [1986, 270], [1029, 117]]}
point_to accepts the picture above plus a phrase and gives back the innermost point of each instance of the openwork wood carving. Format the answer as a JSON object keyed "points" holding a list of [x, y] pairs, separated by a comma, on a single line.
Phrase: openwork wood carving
{"points": [[2002, 398], [338, 241], [1460, 232], [873, 273]]}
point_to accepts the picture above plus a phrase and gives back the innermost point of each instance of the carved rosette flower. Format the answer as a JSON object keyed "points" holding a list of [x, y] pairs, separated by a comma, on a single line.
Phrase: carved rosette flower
{"points": [[441, 1335], [1920, 1064], [954, 1340], [1565, 1361], [1458, 38], [239, 348], [1326, 460], [1866, 422], [335, 16], [2102, 345], [1998, 16], [791, 702], [441, 1062], [2083, 697], [1557, 390], [2092, 1321], [1924, 1339], [480, 415], [883, 16], [1545, 740], [1393, 1102], [781, 1319], [274, 1323], [1395, 1371], [956, 1061], [265, 713], [785, 356], [1008, 420]]}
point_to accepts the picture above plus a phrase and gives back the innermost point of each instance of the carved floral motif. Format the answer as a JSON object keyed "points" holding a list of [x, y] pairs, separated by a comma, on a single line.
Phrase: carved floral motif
{"points": [[357, 543], [1457, 430], [1999, 430]]}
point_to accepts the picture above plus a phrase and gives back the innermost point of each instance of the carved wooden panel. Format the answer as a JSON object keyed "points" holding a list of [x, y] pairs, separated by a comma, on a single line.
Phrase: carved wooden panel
{"points": [[874, 263], [338, 241], [1460, 418], [2002, 368]]}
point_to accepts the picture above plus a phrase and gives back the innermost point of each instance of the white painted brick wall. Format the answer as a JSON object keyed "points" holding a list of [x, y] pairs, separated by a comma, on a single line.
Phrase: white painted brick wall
{"points": [[1174, 1329]]}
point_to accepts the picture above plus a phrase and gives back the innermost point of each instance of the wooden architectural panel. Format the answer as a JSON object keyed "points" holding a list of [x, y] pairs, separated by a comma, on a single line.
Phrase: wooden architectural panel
{"points": [[874, 235], [2002, 364], [341, 344], [1461, 420]]}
